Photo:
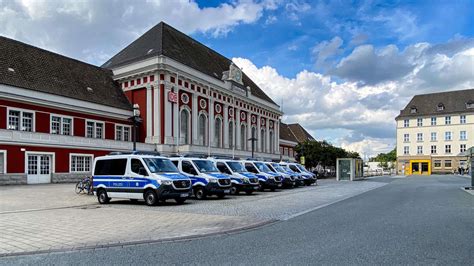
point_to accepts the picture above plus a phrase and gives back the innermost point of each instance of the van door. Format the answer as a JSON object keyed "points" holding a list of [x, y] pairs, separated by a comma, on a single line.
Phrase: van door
{"points": [[188, 168], [137, 180]]}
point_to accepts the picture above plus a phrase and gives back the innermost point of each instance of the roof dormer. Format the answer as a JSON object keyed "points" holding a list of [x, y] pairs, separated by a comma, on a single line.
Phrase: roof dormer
{"points": [[413, 110], [470, 104], [440, 107]]}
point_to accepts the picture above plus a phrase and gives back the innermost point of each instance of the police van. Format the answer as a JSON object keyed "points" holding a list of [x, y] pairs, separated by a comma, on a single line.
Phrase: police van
{"points": [[138, 176], [207, 180], [288, 180], [309, 178], [266, 178], [242, 180], [299, 178]]}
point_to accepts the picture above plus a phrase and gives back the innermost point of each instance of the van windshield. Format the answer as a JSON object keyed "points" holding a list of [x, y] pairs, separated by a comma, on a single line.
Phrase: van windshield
{"points": [[236, 167], [278, 168], [301, 168], [205, 166], [158, 165], [287, 168], [262, 167]]}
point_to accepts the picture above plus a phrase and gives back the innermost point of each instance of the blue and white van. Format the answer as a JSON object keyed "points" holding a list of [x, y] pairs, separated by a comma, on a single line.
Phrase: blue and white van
{"points": [[299, 177], [242, 180], [309, 178], [138, 176], [206, 178], [288, 180], [267, 179]]}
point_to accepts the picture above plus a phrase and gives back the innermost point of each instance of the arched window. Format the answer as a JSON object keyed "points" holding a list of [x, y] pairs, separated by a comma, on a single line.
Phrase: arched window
{"points": [[202, 138], [184, 127], [218, 132], [272, 145], [262, 140], [253, 135], [243, 137], [231, 134]]}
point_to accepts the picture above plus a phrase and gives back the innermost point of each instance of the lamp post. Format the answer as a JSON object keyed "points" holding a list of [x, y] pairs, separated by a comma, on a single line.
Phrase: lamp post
{"points": [[136, 120], [253, 139]]}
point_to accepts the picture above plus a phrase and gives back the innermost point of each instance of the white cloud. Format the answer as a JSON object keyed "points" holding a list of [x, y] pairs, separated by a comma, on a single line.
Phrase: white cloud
{"points": [[89, 28], [364, 112], [327, 50]]}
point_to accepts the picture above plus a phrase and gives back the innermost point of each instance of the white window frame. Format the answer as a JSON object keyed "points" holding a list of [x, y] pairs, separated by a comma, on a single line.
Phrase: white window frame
{"points": [[21, 110], [447, 120], [122, 136], [461, 135], [53, 160], [419, 150], [406, 123], [95, 128], [80, 155], [433, 121], [446, 149], [462, 119], [446, 134], [461, 148], [61, 124], [435, 135], [406, 150], [419, 137], [406, 137], [419, 122], [4, 161], [435, 150]]}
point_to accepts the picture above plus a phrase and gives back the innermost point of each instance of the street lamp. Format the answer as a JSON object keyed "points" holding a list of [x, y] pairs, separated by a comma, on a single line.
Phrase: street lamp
{"points": [[253, 139], [135, 120]]}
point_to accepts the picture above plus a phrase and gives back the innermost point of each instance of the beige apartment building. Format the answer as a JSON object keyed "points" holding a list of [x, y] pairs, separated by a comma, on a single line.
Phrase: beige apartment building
{"points": [[435, 132]]}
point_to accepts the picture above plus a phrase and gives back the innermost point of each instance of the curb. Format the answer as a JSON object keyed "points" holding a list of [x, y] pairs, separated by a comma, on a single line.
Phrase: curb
{"points": [[468, 191], [141, 242]]}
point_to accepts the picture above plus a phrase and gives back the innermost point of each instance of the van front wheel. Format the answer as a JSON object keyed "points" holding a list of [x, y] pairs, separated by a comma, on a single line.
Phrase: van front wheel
{"points": [[102, 196], [150, 198], [200, 193]]}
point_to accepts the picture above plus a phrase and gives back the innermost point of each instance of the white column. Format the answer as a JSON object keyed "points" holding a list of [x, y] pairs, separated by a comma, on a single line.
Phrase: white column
{"points": [[276, 130], [259, 136], [267, 137], [156, 113], [249, 131], [211, 121], [194, 119], [168, 108], [225, 112], [176, 119], [149, 118], [237, 126]]}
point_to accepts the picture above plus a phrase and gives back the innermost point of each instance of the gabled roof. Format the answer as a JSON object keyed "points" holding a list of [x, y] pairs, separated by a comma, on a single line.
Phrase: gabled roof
{"points": [[29, 67], [300, 133], [427, 104], [165, 40], [286, 134]]}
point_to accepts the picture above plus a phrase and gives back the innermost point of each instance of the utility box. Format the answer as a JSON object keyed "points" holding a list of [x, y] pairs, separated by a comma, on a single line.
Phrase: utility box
{"points": [[349, 169]]}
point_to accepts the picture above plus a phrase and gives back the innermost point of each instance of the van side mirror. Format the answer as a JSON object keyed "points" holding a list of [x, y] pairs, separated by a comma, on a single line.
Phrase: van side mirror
{"points": [[142, 171]]}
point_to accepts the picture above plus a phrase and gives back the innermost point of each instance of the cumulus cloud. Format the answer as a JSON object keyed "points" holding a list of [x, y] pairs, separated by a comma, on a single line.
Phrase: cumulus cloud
{"points": [[92, 30], [365, 105], [327, 50]]}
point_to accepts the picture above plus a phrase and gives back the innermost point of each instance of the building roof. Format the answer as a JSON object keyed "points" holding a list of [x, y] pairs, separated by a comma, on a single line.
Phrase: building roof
{"points": [[294, 132], [300, 133], [29, 67], [165, 40], [439, 103]]}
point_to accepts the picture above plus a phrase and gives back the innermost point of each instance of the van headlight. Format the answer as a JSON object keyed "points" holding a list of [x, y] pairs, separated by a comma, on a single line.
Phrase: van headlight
{"points": [[212, 180], [166, 182], [246, 180], [271, 177]]}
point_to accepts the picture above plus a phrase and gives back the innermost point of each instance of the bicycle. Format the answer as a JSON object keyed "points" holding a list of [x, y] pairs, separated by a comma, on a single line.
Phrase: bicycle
{"points": [[84, 186]]}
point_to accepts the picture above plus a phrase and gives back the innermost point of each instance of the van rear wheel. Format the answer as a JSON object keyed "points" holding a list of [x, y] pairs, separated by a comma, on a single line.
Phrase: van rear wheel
{"points": [[102, 196], [150, 198]]}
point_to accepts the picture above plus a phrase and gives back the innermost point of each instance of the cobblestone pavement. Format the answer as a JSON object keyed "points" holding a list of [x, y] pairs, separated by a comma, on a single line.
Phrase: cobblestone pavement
{"points": [[47, 217]]}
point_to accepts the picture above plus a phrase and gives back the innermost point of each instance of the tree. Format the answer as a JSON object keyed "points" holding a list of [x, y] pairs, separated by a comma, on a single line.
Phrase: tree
{"points": [[322, 152], [385, 157]]}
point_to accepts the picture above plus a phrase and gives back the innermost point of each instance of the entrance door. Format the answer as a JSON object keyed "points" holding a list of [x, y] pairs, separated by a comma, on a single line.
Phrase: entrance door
{"points": [[39, 169], [344, 170], [415, 168], [424, 168]]}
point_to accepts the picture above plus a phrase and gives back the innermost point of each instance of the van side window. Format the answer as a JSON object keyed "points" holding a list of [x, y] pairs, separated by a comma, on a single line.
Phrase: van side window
{"points": [[223, 168], [110, 167], [175, 163], [294, 168], [135, 165], [251, 168], [186, 167]]}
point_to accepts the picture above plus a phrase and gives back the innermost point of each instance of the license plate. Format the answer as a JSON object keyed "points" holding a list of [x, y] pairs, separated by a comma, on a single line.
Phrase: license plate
{"points": [[279, 185], [256, 188], [227, 191], [184, 195]]}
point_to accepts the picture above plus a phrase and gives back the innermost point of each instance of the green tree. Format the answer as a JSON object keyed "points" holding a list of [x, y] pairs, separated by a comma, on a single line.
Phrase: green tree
{"points": [[322, 152]]}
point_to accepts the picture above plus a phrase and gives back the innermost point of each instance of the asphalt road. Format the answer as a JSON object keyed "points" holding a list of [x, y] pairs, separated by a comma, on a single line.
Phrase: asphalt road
{"points": [[415, 220]]}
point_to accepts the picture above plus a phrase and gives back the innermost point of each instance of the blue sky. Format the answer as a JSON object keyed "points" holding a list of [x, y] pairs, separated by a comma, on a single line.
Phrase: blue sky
{"points": [[343, 69]]}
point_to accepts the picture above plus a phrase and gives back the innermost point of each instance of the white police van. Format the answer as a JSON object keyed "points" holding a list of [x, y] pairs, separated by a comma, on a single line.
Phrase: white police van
{"points": [[266, 178], [309, 178], [206, 179], [138, 176], [288, 180], [242, 180], [299, 178]]}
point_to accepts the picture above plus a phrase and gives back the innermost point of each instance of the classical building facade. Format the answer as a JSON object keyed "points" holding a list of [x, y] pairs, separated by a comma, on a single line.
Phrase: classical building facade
{"points": [[434, 132], [57, 114], [193, 99]]}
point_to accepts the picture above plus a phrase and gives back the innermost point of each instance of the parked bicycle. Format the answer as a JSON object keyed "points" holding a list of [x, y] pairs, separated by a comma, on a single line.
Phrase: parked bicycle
{"points": [[84, 186]]}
